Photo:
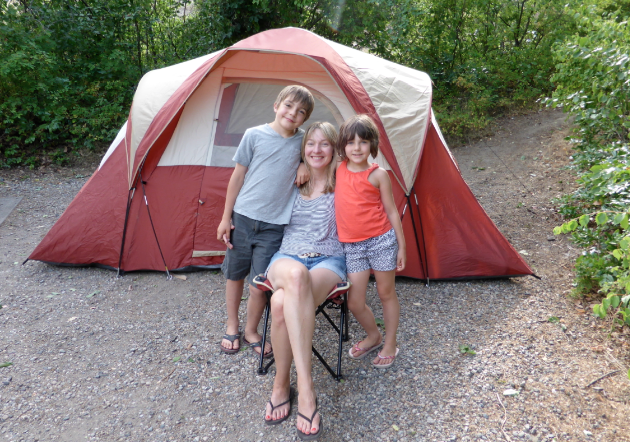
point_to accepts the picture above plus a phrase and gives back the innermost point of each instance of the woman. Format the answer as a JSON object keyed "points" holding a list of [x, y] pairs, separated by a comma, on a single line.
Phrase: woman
{"points": [[309, 263]]}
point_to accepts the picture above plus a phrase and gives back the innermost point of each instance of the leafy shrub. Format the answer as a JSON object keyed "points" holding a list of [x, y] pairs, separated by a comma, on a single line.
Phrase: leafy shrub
{"points": [[593, 84]]}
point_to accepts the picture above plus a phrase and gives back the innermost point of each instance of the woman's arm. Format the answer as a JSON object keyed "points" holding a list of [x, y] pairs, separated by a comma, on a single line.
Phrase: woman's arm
{"points": [[387, 198]]}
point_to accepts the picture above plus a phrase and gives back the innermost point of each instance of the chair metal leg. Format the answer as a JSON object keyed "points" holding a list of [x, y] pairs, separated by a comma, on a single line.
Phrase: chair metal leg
{"points": [[344, 309], [262, 369], [342, 319]]}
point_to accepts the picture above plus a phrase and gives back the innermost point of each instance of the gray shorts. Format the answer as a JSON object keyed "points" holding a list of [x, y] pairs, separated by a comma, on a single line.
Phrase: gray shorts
{"points": [[378, 253], [254, 243]]}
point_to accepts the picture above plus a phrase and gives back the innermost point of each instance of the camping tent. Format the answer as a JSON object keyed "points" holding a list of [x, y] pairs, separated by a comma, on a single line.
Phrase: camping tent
{"points": [[158, 195]]}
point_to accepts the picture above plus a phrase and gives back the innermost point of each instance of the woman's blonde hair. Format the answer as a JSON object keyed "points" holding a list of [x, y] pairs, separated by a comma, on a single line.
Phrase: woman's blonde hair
{"points": [[330, 133]]}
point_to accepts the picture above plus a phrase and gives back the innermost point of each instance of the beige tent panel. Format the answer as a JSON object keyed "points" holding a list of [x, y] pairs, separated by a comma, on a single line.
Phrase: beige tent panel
{"points": [[404, 95], [153, 91]]}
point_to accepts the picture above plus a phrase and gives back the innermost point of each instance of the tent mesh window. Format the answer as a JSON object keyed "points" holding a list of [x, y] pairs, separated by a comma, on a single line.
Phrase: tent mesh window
{"points": [[245, 105]]}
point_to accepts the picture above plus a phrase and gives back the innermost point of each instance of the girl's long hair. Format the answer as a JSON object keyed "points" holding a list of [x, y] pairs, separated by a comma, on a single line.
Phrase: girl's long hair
{"points": [[330, 133]]}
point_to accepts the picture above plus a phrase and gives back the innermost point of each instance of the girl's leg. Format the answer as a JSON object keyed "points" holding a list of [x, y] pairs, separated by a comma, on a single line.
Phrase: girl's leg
{"points": [[386, 288], [361, 311], [283, 357]]}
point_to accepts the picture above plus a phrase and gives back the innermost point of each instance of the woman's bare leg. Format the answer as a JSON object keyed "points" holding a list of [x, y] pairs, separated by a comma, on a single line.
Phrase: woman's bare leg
{"points": [[283, 357], [298, 307]]}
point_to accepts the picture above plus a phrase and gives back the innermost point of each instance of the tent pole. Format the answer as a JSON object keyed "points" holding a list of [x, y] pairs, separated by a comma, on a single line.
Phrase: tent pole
{"points": [[130, 195], [146, 202], [424, 246], [415, 235]]}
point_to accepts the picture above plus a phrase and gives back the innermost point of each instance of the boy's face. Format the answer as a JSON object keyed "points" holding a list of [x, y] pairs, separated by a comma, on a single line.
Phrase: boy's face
{"points": [[290, 114]]}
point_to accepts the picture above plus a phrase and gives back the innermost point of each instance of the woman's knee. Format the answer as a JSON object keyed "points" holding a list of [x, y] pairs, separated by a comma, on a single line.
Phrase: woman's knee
{"points": [[277, 306], [298, 280]]}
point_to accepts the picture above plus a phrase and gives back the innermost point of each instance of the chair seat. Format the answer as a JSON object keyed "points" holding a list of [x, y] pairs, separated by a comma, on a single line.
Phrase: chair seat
{"points": [[337, 298]]}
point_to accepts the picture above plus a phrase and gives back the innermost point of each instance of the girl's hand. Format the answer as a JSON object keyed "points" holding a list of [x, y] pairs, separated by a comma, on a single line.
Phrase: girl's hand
{"points": [[302, 175], [401, 260]]}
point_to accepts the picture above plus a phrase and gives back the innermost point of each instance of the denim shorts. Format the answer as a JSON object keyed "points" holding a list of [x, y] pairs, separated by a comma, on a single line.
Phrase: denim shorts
{"points": [[254, 243], [335, 264]]}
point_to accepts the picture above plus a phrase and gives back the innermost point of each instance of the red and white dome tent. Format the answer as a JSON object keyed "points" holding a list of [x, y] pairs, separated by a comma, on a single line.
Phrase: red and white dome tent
{"points": [[175, 153]]}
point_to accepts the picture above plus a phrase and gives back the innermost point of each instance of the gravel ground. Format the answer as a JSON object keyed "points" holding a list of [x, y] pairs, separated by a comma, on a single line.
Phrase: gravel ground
{"points": [[137, 359]]}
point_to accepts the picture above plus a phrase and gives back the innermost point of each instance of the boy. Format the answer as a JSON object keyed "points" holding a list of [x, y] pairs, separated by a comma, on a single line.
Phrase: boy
{"points": [[258, 204]]}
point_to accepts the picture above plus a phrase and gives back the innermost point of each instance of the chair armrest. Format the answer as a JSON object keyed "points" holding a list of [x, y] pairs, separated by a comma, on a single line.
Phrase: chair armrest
{"points": [[262, 283]]}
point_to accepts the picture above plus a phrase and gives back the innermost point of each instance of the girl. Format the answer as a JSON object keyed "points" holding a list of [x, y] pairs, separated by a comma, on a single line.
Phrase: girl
{"points": [[369, 226]]}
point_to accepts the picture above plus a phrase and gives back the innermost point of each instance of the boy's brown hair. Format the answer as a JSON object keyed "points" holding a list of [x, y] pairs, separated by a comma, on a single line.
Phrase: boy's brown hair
{"points": [[301, 95], [361, 125]]}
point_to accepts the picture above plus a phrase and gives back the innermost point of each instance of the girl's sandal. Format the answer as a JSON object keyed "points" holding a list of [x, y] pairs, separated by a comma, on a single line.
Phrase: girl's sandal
{"points": [[311, 436], [390, 358], [365, 351]]}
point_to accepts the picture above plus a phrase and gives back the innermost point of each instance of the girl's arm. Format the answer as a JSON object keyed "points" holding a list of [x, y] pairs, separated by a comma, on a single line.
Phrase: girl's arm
{"points": [[387, 198]]}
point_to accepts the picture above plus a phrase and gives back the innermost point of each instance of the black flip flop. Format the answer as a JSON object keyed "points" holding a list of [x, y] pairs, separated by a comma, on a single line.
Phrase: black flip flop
{"points": [[257, 344], [231, 338], [312, 436], [273, 407]]}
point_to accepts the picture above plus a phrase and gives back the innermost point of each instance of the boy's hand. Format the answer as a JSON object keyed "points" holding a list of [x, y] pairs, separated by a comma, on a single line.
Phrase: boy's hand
{"points": [[302, 175], [401, 260], [223, 233]]}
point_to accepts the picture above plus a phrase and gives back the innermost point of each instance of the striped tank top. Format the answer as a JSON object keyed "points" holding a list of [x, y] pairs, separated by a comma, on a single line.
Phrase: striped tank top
{"points": [[312, 228]]}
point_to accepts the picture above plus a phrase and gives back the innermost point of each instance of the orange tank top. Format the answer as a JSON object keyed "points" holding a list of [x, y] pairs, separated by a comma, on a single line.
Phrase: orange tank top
{"points": [[358, 206]]}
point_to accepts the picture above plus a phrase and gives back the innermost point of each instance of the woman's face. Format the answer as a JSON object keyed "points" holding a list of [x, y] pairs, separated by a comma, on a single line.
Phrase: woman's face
{"points": [[318, 150]]}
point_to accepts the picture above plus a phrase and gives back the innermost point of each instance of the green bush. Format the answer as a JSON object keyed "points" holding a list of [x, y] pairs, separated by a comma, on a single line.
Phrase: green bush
{"points": [[593, 85]]}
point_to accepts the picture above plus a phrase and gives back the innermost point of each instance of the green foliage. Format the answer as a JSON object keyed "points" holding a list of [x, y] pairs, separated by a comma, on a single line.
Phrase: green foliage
{"points": [[68, 69], [593, 85], [466, 350]]}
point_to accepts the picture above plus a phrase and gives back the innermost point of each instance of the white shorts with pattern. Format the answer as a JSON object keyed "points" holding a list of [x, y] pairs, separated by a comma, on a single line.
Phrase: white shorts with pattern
{"points": [[378, 253]]}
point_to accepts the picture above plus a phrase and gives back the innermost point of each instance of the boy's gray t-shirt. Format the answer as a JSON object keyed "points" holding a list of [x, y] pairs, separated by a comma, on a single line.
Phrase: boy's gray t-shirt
{"points": [[269, 188]]}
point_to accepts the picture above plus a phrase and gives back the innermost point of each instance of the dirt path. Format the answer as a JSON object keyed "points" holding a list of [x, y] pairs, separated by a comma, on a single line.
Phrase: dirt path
{"points": [[136, 359]]}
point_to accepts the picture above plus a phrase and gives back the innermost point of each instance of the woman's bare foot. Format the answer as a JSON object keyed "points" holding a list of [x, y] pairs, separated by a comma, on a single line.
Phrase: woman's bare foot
{"points": [[279, 406], [307, 406]]}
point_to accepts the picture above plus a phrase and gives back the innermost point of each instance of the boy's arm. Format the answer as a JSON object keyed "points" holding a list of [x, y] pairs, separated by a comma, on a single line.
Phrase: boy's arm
{"points": [[387, 197], [234, 187], [302, 175]]}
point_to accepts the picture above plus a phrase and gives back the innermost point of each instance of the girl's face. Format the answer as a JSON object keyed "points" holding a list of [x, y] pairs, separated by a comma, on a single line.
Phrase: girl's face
{"points": [[358, 150], [318, 150]]}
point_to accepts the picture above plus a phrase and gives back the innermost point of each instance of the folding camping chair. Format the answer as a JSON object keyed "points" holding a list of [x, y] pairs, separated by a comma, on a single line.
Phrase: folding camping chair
{"points": [[336, 299]]}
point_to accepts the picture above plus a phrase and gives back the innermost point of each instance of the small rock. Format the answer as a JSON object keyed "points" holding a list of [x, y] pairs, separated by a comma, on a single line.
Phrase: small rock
{"points": [[587, 433], [510, 392], [551, 238]]}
